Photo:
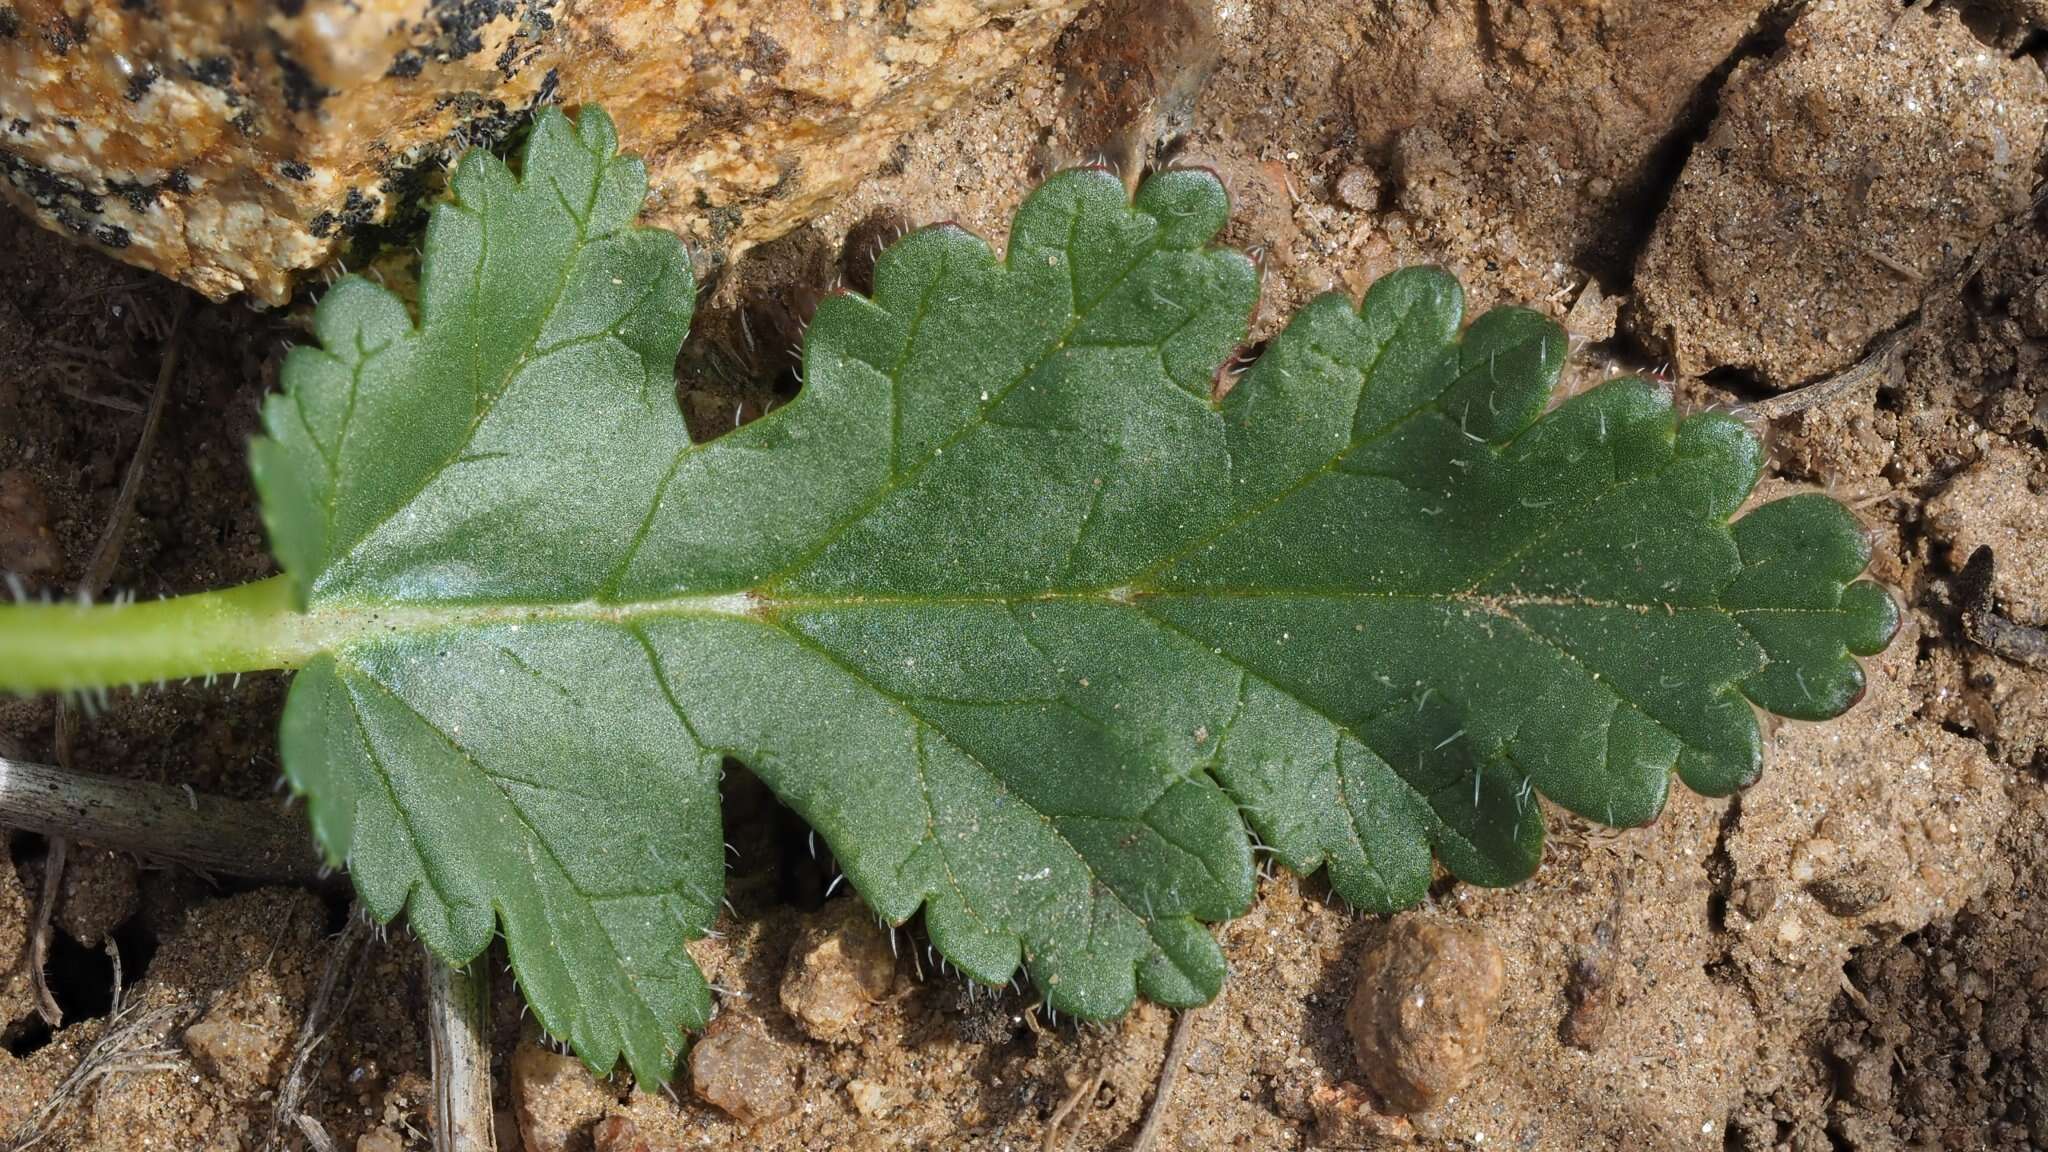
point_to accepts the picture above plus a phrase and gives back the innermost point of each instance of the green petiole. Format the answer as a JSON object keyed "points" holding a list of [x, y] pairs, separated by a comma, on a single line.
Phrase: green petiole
{"points": [[65, 646]]}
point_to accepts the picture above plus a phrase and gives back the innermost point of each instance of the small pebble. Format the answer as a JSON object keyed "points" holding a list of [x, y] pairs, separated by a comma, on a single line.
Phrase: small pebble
{"points": [[100, 891], [737, 1069], [617, 1134], [1346, 1118], [1359, 189], [840, 964], [873, 1099], [242, 1041]]}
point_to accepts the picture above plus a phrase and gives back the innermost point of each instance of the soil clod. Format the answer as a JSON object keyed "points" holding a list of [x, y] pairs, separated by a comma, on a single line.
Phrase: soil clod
{"points": [[554, 1097], [841, 963], [1425, 999]]}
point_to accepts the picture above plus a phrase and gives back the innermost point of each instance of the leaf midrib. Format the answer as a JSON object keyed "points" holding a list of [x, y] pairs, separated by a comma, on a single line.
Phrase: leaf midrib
{"points": [[335, 625]]}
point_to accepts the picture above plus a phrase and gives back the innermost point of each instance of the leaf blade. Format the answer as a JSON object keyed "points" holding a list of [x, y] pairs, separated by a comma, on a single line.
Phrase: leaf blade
{"points": [[1024, 605]]}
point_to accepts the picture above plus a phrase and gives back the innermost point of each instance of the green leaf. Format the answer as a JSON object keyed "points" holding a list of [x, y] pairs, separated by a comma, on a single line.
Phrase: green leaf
{"points": [[1028, 623]]}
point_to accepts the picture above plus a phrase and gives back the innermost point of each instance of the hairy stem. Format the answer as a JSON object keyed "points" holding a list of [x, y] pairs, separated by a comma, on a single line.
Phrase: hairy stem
{"points": [[69, 646]]}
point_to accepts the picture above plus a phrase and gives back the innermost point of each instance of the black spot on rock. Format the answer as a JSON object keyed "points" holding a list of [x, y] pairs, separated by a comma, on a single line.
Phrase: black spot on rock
{"points": [[764, 54], [406, 65], [213, 71], [140, 196], [10, 22], [140, 83], [462, 23], [357, 209], [301, 92], [64, 34], [295, 170], [69, 201], [322, 225], [112, 236], [178, 181]]}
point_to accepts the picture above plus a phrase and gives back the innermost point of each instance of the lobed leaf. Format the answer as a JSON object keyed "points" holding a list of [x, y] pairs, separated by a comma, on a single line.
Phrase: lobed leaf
{"points": [[1024, 619]]}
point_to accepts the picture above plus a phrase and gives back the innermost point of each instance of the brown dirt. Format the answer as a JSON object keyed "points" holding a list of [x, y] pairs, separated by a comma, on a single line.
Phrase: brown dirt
{"points": [[1848, 956]]}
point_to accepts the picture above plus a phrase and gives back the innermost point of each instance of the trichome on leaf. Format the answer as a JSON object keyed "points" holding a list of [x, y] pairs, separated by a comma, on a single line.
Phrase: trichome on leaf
{"points": [[1036, 631]]}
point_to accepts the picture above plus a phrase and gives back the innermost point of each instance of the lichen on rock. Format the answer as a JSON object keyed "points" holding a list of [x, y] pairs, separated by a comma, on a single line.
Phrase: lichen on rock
{"points": [[235, 146]]}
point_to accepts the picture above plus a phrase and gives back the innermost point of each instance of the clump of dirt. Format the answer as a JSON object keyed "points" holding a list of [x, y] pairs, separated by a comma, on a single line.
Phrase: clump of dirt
{"points": [[1944, 1040], [1536, 134], [1846, 173], [1847, 953], [1426, 997]]}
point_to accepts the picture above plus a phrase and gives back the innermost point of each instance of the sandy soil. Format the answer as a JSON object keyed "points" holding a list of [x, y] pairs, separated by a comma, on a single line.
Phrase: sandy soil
{"points": [[1853, 954]]}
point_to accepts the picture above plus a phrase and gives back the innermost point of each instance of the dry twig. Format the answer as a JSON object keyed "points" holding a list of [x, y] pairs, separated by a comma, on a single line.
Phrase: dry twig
{"points": [[1055, 1137], [1986, 628], [133, 1042], [1169, 1071], [316, 1136], [318, 1025], [39, 927], [1881, 363], [107, 552], [459, 1039], [154, 821]]}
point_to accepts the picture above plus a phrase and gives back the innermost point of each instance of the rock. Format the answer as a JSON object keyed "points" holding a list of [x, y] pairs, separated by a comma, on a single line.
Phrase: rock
{"points": [[840, 964], [2000, 502], [26, 546], [739, 1070], [1593, 315], [101, 890], [242, 1040], [1843, 178], [1346, 1118], [1358, 188], [617, 1134], [1425, 999], [1543, 118], [380, 1139], [554, 1097], [874, 1099], [235, 152], [1133, 69]]}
